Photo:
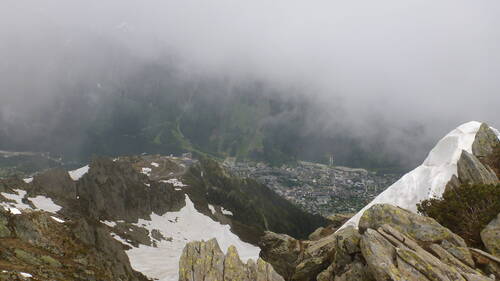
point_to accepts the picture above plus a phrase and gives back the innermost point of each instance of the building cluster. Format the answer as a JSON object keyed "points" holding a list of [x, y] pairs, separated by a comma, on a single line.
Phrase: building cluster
{"points": [[317, 188]]}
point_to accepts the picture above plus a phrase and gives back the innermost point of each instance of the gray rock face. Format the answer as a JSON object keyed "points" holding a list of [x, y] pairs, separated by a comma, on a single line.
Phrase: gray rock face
{"points": [[471, 170], [56, 183], [204, 261], [115, 191], [484, 142], [490, 236]]}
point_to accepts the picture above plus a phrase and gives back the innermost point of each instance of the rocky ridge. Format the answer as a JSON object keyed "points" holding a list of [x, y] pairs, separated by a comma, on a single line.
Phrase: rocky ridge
{"points": [[138, 208], [391, 244], [204, 261]]}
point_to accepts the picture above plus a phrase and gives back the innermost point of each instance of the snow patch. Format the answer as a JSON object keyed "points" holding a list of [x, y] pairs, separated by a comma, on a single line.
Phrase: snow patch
{"points": [[57, 219], [121, 240], [146, 171], [28, 180], [429, 179], [154, 164], [14, 211], [44, 203], [27, 275], [18, 204], [226, 212], [212, 209], [40, 202], [109, 223], [183, 226], [78, 173], [174, 182]]}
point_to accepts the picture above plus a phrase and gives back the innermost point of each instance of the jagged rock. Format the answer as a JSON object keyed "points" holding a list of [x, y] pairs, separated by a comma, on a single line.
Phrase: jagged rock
{"points": [[297, 260], [204, 261], [356, 271], [421, 228], [282, 251], [115, 191], [392, 255], [347, 244], [488, 262], [380, 256], [490, 236], [56, 183], [471, 170], [339, 219], [484, 142], [262, 271]]}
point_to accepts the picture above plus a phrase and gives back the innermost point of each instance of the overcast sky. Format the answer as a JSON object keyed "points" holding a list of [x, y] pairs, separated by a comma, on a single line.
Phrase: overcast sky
{"points": [[435, 63]]}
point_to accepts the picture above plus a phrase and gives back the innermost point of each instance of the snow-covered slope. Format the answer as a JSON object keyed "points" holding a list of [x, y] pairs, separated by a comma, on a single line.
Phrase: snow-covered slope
{"points": [[429, 179], [182, 227]]}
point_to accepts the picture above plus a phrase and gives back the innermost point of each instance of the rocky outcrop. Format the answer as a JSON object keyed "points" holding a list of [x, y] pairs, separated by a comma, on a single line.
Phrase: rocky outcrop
{"points": [[471, 170], [490, 236], [337, 220], [54, 183], [484, 142], [391, 244], [304, 260], [204, 261], [115, 191]]}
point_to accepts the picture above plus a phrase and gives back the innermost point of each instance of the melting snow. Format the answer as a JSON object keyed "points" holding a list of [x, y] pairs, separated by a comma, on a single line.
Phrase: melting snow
{"points": [[174, 182], [154, 164], [109, 223], [78, 173], [429, 179], [226, 212], [44, 203], [18, 204], [24, 274], [183, 226], [57, 219], [146, 171], [28, 180], [40, 202], [212, 209], [14, 211]]}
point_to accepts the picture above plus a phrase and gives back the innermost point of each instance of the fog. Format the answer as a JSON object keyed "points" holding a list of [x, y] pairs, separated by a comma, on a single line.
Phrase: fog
{"points": [[404, 71]]}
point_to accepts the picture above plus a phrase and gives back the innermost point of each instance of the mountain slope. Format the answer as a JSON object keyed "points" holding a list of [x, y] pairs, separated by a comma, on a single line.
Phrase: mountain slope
{"points": [[431, 178], [152, 206]]}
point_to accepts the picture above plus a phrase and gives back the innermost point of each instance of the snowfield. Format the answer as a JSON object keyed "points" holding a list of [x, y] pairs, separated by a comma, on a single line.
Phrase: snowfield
{"points": [[429, 179], [183, 226], [40, 202], [78, 173]]}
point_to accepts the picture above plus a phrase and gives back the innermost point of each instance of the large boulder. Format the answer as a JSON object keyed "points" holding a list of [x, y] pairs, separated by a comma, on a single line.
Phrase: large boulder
{"points": [[490, 236], [204, 261], [304, 260], [484, 142], [471, 170], [422, 229], [282, 251]]}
